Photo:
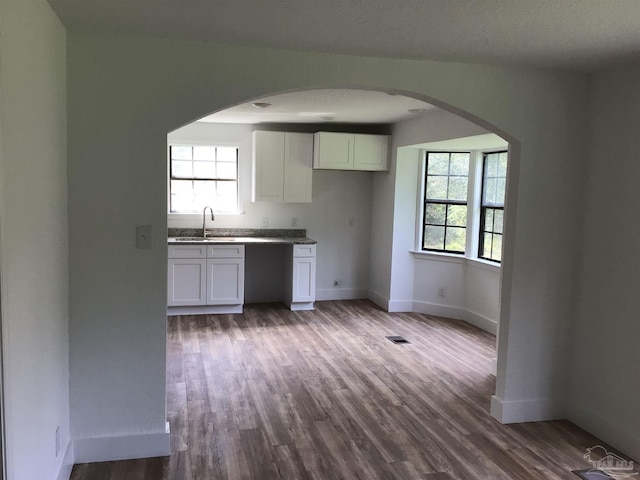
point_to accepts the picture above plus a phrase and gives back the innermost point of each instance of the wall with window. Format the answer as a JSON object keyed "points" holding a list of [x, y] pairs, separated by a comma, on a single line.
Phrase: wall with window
{"points": [[343, 249], [438, 284]]}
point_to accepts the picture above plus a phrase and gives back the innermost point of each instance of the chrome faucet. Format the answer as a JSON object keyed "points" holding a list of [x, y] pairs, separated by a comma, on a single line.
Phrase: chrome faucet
{"points": [[204, 218]]}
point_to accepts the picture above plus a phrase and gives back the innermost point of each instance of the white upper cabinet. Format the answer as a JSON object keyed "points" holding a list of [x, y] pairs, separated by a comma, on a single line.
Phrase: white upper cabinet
{"points": [[370, 152], [350, 151], [333, 151], [298, 172], [282, 169]]}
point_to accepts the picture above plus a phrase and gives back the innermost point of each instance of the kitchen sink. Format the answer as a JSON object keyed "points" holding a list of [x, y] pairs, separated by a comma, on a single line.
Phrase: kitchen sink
{"points": [[207, 239]]}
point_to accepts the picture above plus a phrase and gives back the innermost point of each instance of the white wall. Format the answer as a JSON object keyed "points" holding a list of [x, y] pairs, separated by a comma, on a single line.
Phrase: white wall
{"points": [[33, 213], [342, 251], [605, 384], [127, 92]]}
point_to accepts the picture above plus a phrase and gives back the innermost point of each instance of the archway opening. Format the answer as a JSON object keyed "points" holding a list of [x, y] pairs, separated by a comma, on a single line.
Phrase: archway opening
{"points": [[372, 227]]}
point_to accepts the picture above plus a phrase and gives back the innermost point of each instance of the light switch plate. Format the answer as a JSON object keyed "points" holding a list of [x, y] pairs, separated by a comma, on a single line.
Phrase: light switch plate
{"points": [[143, 236]]}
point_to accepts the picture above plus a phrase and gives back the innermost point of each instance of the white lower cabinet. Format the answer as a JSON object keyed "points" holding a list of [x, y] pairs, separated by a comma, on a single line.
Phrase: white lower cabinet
{"points": [[187, 281], [210, 278], [212, 282], [301, 291], [225, 281]]}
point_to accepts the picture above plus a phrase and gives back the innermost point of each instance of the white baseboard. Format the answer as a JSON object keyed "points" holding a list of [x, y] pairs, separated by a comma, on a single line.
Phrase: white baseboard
{"points": [[379, 299], [400, 306], [126, 447], [482, 322], [340, 294], [621, 436], [300, 306], [525, 410], [67, 463], [203, 309]]}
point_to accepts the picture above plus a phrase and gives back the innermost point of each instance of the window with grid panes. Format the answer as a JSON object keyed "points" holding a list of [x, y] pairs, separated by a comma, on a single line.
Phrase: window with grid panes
{"points": [[203, 175], [445, 202], [494, 181]]}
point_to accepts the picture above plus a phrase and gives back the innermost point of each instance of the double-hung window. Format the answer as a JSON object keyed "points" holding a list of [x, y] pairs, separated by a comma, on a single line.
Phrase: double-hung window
{"points": [[463, 203], [494, 180], [203, 175], [445, 202]]}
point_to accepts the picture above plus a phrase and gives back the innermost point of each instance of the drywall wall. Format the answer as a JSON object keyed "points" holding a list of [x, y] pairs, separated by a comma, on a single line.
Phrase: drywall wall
{"points": [[604, 372], [395, 205], [457, 288], [127, 92], [343, 249], [34, 258]]}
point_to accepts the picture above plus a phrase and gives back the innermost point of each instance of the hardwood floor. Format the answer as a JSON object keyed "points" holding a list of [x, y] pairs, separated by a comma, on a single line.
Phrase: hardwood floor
{"points": [[274, 394]]}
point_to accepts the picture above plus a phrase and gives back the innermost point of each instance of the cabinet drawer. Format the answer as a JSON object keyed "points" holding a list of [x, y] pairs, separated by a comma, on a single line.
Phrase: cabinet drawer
{"points": [[304, 250], [225, 251], [187, 251]]}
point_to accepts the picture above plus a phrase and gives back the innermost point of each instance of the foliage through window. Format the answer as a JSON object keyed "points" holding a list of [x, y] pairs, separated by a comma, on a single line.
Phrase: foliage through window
{"points": [[203, 175], [445, 197], [494, 180]]}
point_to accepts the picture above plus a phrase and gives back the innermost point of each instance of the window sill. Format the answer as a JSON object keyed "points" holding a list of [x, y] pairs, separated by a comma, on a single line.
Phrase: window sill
{"points": [[459, 259]]}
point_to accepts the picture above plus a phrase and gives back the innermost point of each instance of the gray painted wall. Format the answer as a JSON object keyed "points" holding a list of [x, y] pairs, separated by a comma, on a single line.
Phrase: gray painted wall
{"points": [[34, 258], [606, 331]]}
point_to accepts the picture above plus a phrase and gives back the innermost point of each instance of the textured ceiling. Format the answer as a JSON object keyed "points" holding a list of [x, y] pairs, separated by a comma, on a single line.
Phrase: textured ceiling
{"points": [[568, 34], [322, 106]]}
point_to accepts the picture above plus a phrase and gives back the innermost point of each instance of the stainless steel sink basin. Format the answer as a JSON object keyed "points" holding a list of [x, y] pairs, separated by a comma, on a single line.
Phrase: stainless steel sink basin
{"points": [[207, 239]]}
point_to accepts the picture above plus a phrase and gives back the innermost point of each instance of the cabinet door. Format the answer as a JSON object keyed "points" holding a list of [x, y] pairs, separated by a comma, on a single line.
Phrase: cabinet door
{"points": [[298, 153], [304, 279], [333, 151], [225, 281], [370, 152], [186, 282], [268, 166]]}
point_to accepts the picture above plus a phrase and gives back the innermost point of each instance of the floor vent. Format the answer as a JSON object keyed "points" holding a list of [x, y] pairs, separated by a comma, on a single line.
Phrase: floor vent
{"points": [[397, 339]]}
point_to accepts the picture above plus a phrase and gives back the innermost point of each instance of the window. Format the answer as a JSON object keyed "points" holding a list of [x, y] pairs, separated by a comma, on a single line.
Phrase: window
{"points": [[494, 180], [463, 203], [203, 175], [445, 202]]}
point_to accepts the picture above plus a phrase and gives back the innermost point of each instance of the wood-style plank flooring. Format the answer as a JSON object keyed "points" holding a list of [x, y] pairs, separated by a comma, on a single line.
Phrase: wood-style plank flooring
{"points": [[323, 395]]}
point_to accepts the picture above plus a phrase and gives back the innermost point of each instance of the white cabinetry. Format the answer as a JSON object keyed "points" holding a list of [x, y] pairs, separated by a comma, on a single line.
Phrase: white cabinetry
{"points": [[301, 291], [225, 275], [282, 170], [350, 151], [187, 275], [205, 279]]}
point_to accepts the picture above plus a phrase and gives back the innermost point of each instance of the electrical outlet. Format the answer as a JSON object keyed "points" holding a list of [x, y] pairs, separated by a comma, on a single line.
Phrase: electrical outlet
{"points": [[441, 292], [351, 221], [265, 222], [57, 440], [337, 283], [294, 221]]}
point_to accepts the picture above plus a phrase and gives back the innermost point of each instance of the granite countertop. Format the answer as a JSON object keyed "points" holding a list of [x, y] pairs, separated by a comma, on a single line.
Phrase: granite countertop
{"points": [[227, 236]]}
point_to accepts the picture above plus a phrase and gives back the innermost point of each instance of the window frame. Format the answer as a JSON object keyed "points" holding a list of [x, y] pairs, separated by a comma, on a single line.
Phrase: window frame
{"points": [[446, 202], [474, 201], [492, 206], [170, 178]]}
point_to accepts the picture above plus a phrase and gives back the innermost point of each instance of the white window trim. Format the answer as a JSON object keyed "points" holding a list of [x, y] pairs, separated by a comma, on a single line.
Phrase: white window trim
{"points": [[474, 193], [196, 215]]}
